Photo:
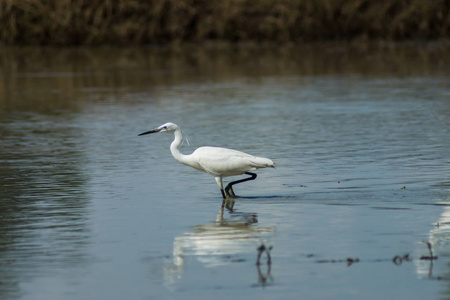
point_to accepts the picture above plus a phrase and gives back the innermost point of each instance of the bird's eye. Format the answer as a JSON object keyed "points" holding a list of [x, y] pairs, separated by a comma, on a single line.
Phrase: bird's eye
{"points": [[165, 127]]}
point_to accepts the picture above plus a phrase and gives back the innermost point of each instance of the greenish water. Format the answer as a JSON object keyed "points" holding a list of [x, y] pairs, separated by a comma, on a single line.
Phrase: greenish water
{"points": [[360, 136]]}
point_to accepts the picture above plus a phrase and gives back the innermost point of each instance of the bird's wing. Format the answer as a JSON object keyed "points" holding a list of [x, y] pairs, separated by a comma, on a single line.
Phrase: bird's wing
{"points": [[228, 162]]}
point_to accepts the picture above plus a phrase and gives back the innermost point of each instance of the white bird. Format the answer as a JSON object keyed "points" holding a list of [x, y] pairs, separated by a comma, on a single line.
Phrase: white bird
{"points": [[219, 162]]}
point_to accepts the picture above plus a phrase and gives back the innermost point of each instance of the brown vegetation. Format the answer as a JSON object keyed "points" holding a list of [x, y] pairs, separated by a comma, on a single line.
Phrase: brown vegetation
{"points": [[125, 22]]}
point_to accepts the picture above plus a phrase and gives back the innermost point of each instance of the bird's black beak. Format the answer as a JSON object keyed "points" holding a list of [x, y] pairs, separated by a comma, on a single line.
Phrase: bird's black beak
{"points": [[150, 131]]}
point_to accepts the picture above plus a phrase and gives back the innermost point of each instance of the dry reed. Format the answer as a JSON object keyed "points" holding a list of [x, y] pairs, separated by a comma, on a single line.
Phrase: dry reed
{"points": [[133, 22]]}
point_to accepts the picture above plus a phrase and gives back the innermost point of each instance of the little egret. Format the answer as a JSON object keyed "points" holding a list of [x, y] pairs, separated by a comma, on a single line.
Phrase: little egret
{"points": [[219, 162]]}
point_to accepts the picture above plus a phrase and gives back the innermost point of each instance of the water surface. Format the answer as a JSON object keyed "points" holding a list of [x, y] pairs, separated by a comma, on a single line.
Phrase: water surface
{"points": [[360, 136]]}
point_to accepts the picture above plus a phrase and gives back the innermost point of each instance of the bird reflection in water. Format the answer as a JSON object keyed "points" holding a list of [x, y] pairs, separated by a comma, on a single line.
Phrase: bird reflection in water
{"points": [[221, 242]]}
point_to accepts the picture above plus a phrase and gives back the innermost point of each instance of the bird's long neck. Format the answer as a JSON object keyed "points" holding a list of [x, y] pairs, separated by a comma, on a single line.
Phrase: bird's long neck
{"points": [[175, 145]]}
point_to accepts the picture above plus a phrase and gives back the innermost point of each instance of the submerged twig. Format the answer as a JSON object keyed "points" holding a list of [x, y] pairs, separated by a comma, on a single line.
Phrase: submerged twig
{"points": [[264, 276], [398, 260], [431, 257], [263, 249], [350, 261]]}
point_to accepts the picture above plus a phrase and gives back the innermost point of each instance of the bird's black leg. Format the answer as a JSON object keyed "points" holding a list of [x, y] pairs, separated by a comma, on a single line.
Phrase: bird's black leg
{"points": [[220, 184], [230, 185], [223, 194], [231, 192]]}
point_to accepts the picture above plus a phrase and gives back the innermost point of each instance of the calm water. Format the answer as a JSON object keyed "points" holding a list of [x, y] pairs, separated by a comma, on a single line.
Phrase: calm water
{"points": [[360, 136]]}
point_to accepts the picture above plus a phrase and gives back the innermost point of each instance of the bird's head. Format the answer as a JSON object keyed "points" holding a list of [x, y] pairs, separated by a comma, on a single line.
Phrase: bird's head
{"points": [[168, 127]]}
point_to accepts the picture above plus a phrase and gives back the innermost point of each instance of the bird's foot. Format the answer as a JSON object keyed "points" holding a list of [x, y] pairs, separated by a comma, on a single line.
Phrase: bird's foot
{"points": [[229, 192]]}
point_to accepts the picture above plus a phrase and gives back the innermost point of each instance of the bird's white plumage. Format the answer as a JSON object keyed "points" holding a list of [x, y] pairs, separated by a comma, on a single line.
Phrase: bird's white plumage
{"points": [[225, 162], [217, 161]]}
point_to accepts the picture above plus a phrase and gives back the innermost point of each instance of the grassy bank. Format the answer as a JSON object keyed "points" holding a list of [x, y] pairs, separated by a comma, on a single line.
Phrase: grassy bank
{"points": [[125, 22]]}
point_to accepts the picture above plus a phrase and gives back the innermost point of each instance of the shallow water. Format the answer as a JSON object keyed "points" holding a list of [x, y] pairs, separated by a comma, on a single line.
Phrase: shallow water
{"points": [[360, 136]]}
